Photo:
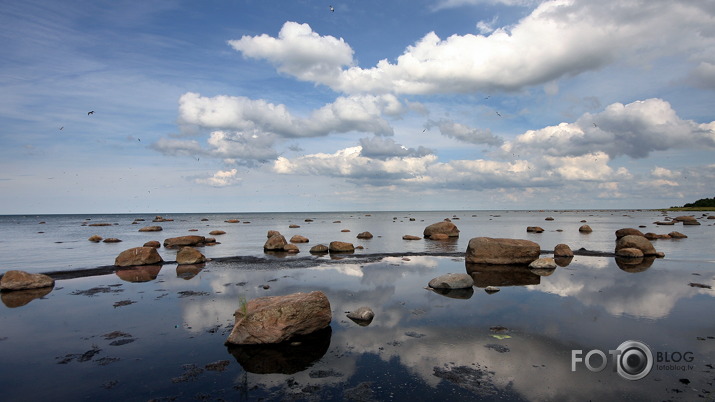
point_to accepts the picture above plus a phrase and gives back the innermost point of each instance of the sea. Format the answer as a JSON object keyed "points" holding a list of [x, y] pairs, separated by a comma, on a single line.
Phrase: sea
{"points": [[594, 328], [47, 243]]}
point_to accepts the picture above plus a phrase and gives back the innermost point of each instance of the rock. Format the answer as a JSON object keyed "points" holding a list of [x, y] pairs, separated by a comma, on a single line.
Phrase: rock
{"points": [[138, 256], [452, 281], [291, 248], [217, 232], [687, 220], [232, 221], [639, 242], [661, 223], [275, 243], [439, 236], [293, 226], [299, 239], [364, 235], [272, 233], [534, 229], [447, 228], [563, 261], [711, 217], [152, 243], [151, 229], [95, 238], [549, 219], [276, 319], [100, 224], [543, 263], [111, 240], [319, 249], [677, 235], [562, 250], [189, 255], [410, 237], [487, 250], [491, 289], [628, 231], [341, 247], [345, 230], [629, 252], [183, 241], [21, 280], [585, 229], [145, 273], [362, 315], [653, 236]]}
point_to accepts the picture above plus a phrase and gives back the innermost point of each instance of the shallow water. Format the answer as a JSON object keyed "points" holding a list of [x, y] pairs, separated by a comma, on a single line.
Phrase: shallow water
{"points": [[159, 332], [420, 346], [60, 243]]}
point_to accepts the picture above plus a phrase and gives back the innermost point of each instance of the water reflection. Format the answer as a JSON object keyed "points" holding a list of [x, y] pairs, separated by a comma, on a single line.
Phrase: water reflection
{"points": [[288, 357], [463, 294], [501, 275], [139, 274], [19, 298], [188, 271], [634, 265]]}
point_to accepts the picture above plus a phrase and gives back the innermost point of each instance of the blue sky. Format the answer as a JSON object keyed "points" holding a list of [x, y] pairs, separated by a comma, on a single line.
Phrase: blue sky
{"points": [[401, 105]]}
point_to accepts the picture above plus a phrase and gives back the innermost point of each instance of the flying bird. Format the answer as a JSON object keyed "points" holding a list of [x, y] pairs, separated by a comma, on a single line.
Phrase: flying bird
{"points": [[90, 112], [332, 9], [62, 127], [497, 114]]}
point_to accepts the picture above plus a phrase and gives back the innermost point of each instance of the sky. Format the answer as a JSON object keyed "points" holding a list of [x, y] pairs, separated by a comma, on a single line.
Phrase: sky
{"points": [[273, 106]]}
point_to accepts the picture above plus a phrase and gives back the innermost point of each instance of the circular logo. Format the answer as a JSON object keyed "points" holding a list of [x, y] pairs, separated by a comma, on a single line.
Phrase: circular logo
{"points": [[635, 360]]}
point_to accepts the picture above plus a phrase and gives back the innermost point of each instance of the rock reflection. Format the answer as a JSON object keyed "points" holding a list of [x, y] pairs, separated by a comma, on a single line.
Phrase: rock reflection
{"points": [[447, 245], [188, 271], [139, 274], [501, 275], [289, 357], [563, 261], [635, 265], [463, 294], [19, 298]]}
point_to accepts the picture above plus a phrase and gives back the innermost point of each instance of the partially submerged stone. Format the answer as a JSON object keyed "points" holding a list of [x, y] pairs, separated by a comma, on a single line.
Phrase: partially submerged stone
{"points": [[487, 250], [585, 229], [341, 247], [447, 228], [21, 280], [452, 281], [183, 241], [319, 249], [299, 239], [363, 315], [189, 255], [276, 319], [275, 243], [138, 256], [628, 231], [151, 229], [364, 235], [562, 250], [410, 237], [639, 242]]}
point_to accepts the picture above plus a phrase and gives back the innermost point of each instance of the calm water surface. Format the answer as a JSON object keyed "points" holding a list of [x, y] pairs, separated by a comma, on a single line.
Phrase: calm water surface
{"points": [[107, 337]]}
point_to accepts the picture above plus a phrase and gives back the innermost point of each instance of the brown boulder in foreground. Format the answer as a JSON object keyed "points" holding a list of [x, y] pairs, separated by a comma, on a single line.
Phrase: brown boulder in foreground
{"points": [[138, 256], [21, 280], [487, 250], [189, 255], [278, 318], [562, 250], [183, 241], [639, 242], [275, 243], [448, 228]]}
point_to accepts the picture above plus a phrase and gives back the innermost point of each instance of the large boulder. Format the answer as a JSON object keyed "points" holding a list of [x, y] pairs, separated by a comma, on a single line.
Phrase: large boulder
{"points": [[138, 256], [487, 250], [319, 249], [628, 231], [189, 255], [639, 242], [299, 239], [585, 229], [183, 241], [363, 315], [21, 280], [341, 247], [448, 228], [275, 319], [275, 243], [452, 281]]}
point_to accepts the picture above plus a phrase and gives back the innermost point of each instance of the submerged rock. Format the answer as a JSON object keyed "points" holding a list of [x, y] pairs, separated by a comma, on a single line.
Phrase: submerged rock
{"points": [[275, 319], [299, 239], [95, 238], [363, 315], [562, 250], [585, 229], [364, 235], [183, 241], [410, 237], [275, 243], [21, 280], [341, 247], [677, 235], [319, 249], [639, 242], [534, 229], [543, 263], [628, 231], [151, 229], [687, 220], [452, 281]]}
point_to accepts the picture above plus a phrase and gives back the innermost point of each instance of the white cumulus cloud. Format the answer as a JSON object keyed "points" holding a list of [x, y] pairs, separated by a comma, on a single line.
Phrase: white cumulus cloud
{"points": [[222, 178]]}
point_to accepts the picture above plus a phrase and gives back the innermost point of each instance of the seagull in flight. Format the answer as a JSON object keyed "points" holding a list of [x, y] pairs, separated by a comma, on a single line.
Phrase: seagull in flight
{"points": [[498, 114], [90, 112], [62, 127], [332, 9]]}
